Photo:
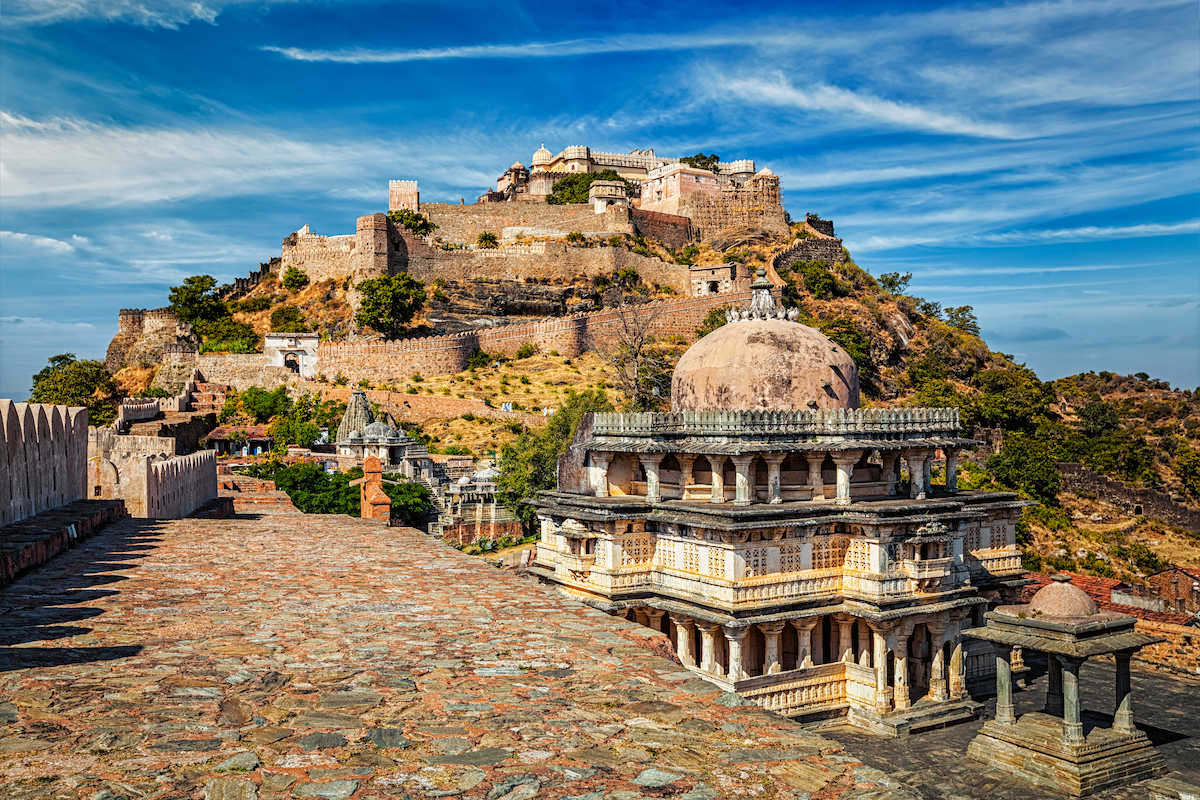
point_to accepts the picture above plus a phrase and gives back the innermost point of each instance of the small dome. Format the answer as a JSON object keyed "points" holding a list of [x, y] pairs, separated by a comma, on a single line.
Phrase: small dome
{"points": [[379, 431], [542, 157], [517, 165], [464, 481], [355, 435], [1061, 599], [764, 171], [764, 365]]}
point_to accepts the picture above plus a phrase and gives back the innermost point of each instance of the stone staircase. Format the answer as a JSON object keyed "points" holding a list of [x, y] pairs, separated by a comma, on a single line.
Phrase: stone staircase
{"points": [[209, 397], [254, 496]]}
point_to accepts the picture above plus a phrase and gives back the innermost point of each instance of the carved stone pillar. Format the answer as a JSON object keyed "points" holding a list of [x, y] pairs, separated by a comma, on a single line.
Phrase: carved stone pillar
{"points": [[600, 462], [901, 672], [891, 472], [1054, 692], [708, 647], [916, 473], [650, 462], [883, 697], [815, 481], [685, 473], [774, 460], [845, 462], [772, 663], [864, 644], [1123, 715], [741, 465], [845, 638], [655, 619], [951, 470], [1004, 701], [718, 480], [804, 628], [684, 625], [1072, 724], [937, 671], [641, 617], [958, 678], [733, 638]]}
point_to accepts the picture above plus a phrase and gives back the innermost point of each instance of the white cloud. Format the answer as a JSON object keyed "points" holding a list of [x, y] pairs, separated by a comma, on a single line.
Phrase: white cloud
{"points": [[9, 238], [1091, 233], [147, 13]]}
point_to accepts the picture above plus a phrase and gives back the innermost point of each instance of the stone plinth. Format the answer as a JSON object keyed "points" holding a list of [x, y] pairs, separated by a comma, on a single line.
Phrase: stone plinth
{"points": [[1033, 748]]}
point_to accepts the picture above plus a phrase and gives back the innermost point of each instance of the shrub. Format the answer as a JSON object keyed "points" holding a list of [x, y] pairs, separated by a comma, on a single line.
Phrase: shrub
{"points": [[294, 280], [416, 377], [440, 296], [526, 350], [487, 240], [575, 236], [525, 379], [413, 221], [614, 241], [288, 319]]}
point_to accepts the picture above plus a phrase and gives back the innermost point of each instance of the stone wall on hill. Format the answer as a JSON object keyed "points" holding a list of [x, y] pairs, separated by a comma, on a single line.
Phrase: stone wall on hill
{"points": [[673, 231], [811, 249], [1180, 653], [462, 224], [419, 407], [240, 371], [1141, 502], [43, 458], [394, 362]]}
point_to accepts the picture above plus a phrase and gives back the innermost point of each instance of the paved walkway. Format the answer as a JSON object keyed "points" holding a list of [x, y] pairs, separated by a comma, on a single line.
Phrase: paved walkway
{"points": [[315, 656], [1166, 709]]}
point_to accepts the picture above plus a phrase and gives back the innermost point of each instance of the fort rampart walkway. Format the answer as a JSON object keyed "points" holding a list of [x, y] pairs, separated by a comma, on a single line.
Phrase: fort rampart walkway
{"points": [[309, 656]]}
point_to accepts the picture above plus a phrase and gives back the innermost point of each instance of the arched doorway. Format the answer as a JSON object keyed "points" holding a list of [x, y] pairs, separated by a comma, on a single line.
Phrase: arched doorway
{"points": [[291, 361]]}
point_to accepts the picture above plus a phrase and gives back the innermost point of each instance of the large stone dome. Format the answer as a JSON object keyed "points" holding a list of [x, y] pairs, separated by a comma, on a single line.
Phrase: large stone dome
{"points": [[1062, 599], [764, 365]]}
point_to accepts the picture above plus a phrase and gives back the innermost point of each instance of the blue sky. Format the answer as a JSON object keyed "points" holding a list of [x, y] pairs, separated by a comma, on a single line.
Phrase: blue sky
{"points": [[1038, 161]]}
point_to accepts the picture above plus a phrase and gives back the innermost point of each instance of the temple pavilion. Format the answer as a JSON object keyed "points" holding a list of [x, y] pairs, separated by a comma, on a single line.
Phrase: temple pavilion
{"points": [[792, 545]]}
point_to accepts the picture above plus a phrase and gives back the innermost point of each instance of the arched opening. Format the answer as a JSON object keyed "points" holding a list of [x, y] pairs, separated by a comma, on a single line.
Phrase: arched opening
{"points": [[292, 362]]}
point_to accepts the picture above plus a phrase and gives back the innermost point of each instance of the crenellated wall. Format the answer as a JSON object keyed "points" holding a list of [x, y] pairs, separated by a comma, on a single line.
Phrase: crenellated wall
{"points": [[144, 472], [43, 458], [462, 224], [395, 362], [178, 486]]}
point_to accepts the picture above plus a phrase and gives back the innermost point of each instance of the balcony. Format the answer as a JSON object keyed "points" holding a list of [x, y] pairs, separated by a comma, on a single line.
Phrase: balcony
{"points": [[927, 575], [581, 564]]}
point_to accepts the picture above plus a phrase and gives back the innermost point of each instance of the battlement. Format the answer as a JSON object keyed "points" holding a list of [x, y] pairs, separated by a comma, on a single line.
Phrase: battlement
{"points": [[403, 195]]}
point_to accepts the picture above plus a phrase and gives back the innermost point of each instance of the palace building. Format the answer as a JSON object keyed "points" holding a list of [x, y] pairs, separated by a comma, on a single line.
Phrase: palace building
{"points": [[793, 546]]}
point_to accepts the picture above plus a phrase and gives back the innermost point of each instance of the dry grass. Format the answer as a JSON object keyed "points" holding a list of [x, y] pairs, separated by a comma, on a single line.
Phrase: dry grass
{"points": [[134, 381]]}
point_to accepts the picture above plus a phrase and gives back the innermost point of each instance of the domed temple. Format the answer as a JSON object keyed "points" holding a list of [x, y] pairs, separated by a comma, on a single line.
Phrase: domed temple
{"points": [[791, 544], [360, 436]]}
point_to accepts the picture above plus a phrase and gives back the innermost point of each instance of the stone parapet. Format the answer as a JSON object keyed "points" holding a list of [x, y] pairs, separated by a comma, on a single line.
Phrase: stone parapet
{"points": [[37, 539], [883, 423], [43, 458]]}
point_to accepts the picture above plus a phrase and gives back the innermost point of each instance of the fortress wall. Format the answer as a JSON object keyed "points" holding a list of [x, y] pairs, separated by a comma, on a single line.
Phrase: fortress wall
{"points": [[1145, 502], [319, 257], [553, 261], [107, 444], [243, 370], [178, 486], [463, 224], [395, 362], [670, 229], [811, 249], [1180, 653], [43, 458]]}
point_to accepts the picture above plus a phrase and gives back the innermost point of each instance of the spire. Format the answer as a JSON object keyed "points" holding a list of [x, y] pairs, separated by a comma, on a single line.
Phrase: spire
{"points": [[357, 417], [762, 303]]}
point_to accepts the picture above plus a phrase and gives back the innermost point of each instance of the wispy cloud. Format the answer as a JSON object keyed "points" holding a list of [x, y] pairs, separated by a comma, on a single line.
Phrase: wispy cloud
{"points": [[150, 14], [10, 238], [1088, 233]]}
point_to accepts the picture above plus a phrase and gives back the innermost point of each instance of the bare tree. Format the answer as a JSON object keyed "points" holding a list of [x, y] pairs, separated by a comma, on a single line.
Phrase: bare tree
{"points": [[639, 369]]}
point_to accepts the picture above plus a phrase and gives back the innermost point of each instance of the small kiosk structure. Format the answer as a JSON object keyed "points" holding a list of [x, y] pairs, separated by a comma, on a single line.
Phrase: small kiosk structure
{"points": [[1050, 748]]}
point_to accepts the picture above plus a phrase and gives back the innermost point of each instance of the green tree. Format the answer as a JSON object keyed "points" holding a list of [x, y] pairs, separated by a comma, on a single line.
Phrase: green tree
{"points": [[713, 320], [263, 406], [701, 161], [196, 300], [1098, 418], [1187, 467], [530, 464], [574, 188], [845, 332], [894, 282], [1027, 464], [962, 318], [389, 303], [416, 222], [1012, 398], [294, 280], [487, 240], [410, 501], [288, 319], [67, 381]]}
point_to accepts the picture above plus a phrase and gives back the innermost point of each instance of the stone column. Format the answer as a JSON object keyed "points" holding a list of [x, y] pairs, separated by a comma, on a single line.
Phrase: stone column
{"points": [[901, 670], [655, 617], [815, 481], [772, 662], [916, 472], [683, 639], [718, 480], [600, 463], [926, 469], [741, 465], [883, 699], [804, 628], [733, 637], [958, 678], [845, 469], [1004, 701], [891, 472], [951, 470], [774, 460], [1072, 726], [650, 462], [937, 672], [685, 473], [864, 644], [708, 648], [1054, 692], [642, 617], [1123, 716], [845, 639]]}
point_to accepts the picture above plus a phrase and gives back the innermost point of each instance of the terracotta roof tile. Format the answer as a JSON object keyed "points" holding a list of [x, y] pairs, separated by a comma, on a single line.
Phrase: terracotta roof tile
{"points": [[1100, 590]]}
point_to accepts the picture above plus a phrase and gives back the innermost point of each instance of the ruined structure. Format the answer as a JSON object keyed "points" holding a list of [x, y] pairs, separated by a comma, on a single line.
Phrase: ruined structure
{"points": [[791, 545], [149, 338], [1050, 748]]}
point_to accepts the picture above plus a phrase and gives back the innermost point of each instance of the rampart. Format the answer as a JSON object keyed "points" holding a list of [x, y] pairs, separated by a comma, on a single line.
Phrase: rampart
{"points": [[43, 458], [824, 226], [240, 371], [395, 362], [418, 407], [462, 224], [178, 486], [758, 204], [557, 262], [1180, 653], [810, 249], [1143, 502], [135, 410], [671, 230], [374, 249], [144, 472]]}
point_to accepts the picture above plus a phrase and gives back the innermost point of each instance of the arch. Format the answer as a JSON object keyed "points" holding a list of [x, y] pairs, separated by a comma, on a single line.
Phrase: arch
{"points": [[291, 361]]}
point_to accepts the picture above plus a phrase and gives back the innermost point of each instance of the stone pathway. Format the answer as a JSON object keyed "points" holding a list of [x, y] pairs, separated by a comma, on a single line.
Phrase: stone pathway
{"points": [[317, 656], [1167, 709]]}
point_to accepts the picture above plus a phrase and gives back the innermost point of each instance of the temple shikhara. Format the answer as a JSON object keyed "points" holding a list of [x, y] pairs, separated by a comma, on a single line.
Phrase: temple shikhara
{"points": [[796, 548]]}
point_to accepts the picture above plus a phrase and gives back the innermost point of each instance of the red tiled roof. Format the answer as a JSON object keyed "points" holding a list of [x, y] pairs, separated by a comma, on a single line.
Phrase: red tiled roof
{"points": [[1100, 590]]}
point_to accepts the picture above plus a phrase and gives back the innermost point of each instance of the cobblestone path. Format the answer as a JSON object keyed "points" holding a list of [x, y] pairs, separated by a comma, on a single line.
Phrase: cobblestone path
{"points": [[315, 656]]}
